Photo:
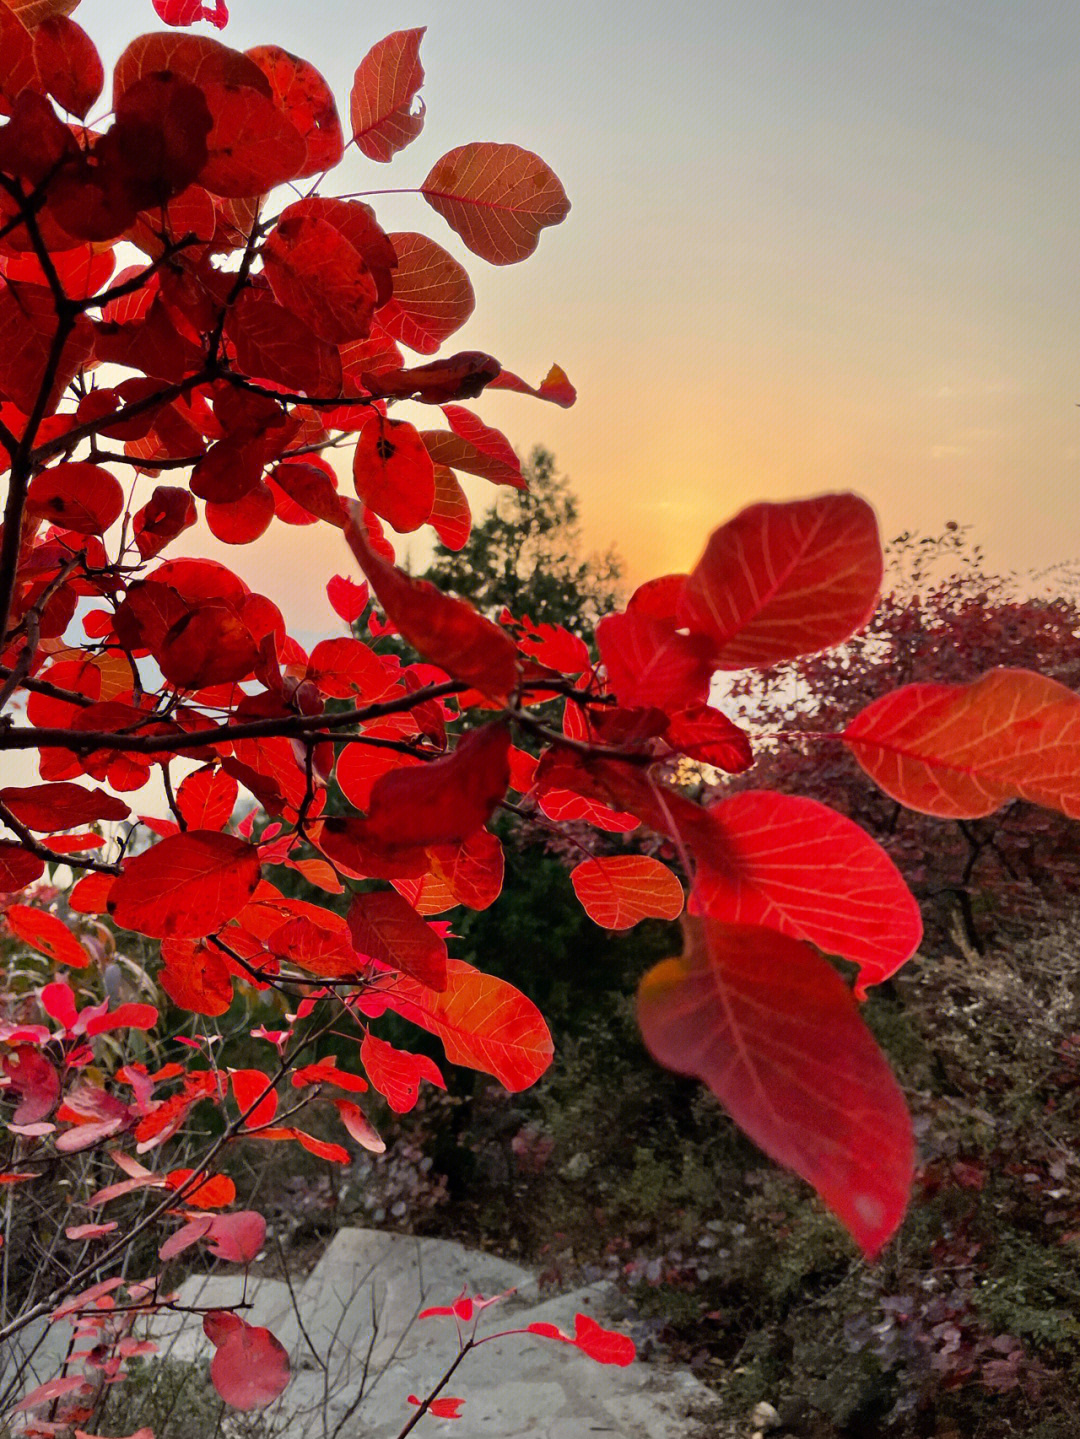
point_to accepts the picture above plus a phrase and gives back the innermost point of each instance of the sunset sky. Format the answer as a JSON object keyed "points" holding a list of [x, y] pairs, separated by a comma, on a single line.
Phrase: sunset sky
{"points": [[812, 246]]}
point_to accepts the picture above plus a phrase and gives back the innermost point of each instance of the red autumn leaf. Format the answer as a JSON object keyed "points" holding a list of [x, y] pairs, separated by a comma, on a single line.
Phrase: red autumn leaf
{"points": [[385, 926], [253, 1091], [473, 870], [68, 64], [125, 1016], [393, 473], [433, 295], [252, 146], [618, 891], [350, 669], [190, 12], [317, 274], [781, 580], [486, 440], [196, 977], [605, 1346], [483, 1022], [185, 887], [47, 934], [210, 644], [444, 801], [776, 1035], [451, 517], [397, 1073], [239, 522], [457, 453], [169, 511], [274, 344], [445, 1407], [305, 491], [18, 867], [54, 807], [251, 1368], [384, 88], [554, 386], [497, 198], [206, 798], [446, 631], [325, 1071], [795, 865], [708, 736], [961, 751], [649, 662], [34, 1080], [359, 1126], [349, 599], [303, 95], [213, 1191]]}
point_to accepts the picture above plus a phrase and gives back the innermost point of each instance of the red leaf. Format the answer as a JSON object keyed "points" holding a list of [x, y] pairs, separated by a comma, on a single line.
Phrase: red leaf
{"points": [[206, 798], [349, 599], [387, 928], [308, 102], [795, 865], [17, 867], [781, 580], [446, 631], [444, 801], [186, 886], [445, 1407], [458, 453], [776, 1035], [196, 977], [384, 87], [251, 1368], [483, 1022], [648, 662], [239, 522], [433, 295], [961, 751], [253, 1091], [190, 12], [497, 198], [396, 1073], [68, 64], [554, 386], [606, 1346], [359, 1126], [34, 1080], [618, 891], [393, 473], [252, 146], [451, 517], [320, 276], [47, 934]]}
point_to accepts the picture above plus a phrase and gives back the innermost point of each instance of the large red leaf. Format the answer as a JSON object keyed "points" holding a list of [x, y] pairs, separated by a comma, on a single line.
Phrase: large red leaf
{"points": [[316, 272], [605, 1346], [433, 295], [186, 886], [47, 934], [483, 1022], [393, 473], [251, 1367], [781, 580], [18, 868], [441, 802], [76, 496], [961, 751], [776, 1035], [206, 798], [385, 926], [620, 890], [55, 807], [305, 97], [795, 865], [497, 198], [446, 631], [458, 453], [384, 87], [451, 517]]}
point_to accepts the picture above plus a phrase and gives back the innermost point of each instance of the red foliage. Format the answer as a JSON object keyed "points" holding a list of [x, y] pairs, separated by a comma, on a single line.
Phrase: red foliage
{"points": [[250, 338]]}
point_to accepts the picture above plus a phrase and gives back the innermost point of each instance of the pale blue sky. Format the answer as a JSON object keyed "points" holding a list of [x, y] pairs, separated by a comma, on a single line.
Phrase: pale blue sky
{"points": [[828, 245]]}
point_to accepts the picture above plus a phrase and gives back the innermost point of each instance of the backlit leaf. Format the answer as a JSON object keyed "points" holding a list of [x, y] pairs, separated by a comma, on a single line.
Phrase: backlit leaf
{"points": [[618, 891], [186, 886], [393, 473], [961, 751], [776, 1035], [781, 580], [385, 927], [497, 198], [384, 87], [251, 1368], [797, 866], [483, 1022], [433, 295], [396, 1073], [47, 934]]}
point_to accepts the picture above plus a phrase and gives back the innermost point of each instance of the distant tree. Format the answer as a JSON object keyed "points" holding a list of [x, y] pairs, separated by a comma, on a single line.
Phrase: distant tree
{"points": [[527, 555]]}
